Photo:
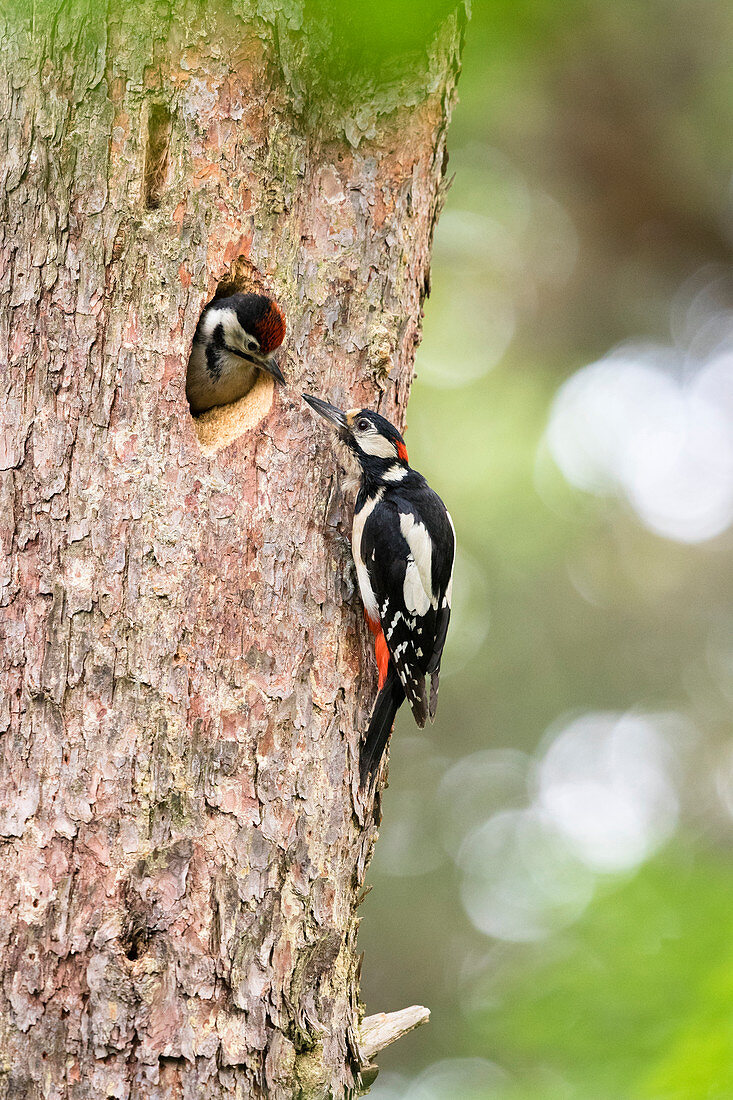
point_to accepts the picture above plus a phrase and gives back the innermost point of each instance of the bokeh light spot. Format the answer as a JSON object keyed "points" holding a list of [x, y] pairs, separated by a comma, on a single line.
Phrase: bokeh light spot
{"points": [[605, 784], [521, 880], [653, 424]]}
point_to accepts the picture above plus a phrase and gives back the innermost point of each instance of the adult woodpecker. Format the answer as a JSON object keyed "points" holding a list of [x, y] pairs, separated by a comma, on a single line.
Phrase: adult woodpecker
{"points": [[403, 542], [235, 337]]}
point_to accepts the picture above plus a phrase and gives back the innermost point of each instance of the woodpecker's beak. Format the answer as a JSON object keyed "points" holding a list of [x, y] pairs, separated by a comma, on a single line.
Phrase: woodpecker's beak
{"points": [[270, 365], [328, 412]]}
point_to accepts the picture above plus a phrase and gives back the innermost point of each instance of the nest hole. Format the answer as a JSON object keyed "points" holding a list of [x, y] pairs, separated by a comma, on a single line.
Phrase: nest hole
{"points": [[221, 425]]}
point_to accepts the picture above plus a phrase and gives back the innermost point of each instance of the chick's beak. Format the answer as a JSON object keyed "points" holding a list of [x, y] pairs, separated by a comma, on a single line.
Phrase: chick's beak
{"points": [[264, 362], [328, 412], [270, 365]]}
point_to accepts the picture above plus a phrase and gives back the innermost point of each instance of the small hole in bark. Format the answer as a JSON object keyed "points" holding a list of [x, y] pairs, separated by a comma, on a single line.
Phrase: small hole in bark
{"points": [[134, 939], [221, 424], [136, 945], [156, 154], [35, 903]]}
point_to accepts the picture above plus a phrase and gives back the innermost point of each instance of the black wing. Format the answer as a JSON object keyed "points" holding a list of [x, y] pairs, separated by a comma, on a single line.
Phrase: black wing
{"points": [[407, 547]]}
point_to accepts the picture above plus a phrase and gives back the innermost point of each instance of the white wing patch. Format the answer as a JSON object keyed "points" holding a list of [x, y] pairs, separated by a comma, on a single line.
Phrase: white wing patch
{"points": [[393, 625], [416, 598], [419, 575], [367, 592], [372, 443]]}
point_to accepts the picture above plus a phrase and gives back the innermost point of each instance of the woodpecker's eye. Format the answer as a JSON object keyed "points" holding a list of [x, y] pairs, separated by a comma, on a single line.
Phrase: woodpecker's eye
{"points": [[363, 425]]}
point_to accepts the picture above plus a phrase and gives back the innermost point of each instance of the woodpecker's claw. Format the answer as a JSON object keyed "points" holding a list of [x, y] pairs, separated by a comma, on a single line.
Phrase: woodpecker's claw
{"points": [[328, 412]]}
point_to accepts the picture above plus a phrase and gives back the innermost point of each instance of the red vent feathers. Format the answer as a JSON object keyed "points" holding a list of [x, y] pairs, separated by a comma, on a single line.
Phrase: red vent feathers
{"points": [[271, 329]]}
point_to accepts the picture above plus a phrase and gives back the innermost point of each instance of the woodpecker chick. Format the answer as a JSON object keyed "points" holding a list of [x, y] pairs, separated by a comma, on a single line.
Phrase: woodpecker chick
{"points": [[403, 543], [235, 337]]}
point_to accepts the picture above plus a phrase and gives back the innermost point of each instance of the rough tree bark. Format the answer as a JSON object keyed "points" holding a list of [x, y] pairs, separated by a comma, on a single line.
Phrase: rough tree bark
{"points": [[184, 665]]}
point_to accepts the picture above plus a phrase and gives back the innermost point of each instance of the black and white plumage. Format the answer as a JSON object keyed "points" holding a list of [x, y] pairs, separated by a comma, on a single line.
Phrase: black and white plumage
{"points": [[403, 543], [235, 337]]}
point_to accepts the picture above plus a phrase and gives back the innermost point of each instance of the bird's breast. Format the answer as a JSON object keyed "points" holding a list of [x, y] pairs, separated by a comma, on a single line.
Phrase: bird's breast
{"points": [[365, 587]]}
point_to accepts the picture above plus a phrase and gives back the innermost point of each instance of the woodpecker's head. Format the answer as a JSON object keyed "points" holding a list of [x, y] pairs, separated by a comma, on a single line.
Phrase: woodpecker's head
{"points": [[252, 328], [376, 443]]}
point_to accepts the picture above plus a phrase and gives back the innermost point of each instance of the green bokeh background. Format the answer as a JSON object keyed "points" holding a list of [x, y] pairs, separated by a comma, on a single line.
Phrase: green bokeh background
{"points": [[592, 149]]}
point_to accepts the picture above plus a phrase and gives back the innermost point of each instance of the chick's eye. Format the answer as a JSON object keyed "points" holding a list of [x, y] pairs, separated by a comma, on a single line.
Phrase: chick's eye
{"points": [[363, 425]]}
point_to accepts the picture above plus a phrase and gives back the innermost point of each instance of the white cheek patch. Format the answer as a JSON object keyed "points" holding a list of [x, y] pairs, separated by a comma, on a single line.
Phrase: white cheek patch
{"points": [[372, 443], [233, 331], [213, 319], [394, 473], [225, 317], [234, 334], [417, 538]]}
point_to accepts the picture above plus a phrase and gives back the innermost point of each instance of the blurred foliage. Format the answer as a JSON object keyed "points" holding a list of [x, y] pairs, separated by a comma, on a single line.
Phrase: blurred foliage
{"points": [[346, 62], [634, 1000], [591, 206], [366, 37]]}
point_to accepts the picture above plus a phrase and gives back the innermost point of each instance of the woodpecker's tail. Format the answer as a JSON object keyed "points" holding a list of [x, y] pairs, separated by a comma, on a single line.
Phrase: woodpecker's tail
{"points": [[387, 704]]}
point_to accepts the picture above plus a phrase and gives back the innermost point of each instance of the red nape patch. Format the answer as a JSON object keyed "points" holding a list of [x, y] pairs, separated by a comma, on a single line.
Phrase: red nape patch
{"points": [[402, 451], [382, 654], [271, 329]]}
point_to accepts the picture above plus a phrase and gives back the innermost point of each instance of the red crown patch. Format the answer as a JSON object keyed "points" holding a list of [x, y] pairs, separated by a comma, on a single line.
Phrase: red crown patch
{"points": [[270, 329]]}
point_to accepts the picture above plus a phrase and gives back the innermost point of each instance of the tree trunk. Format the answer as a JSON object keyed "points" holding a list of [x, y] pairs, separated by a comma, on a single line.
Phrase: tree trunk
{"points": [[182, 843]]}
